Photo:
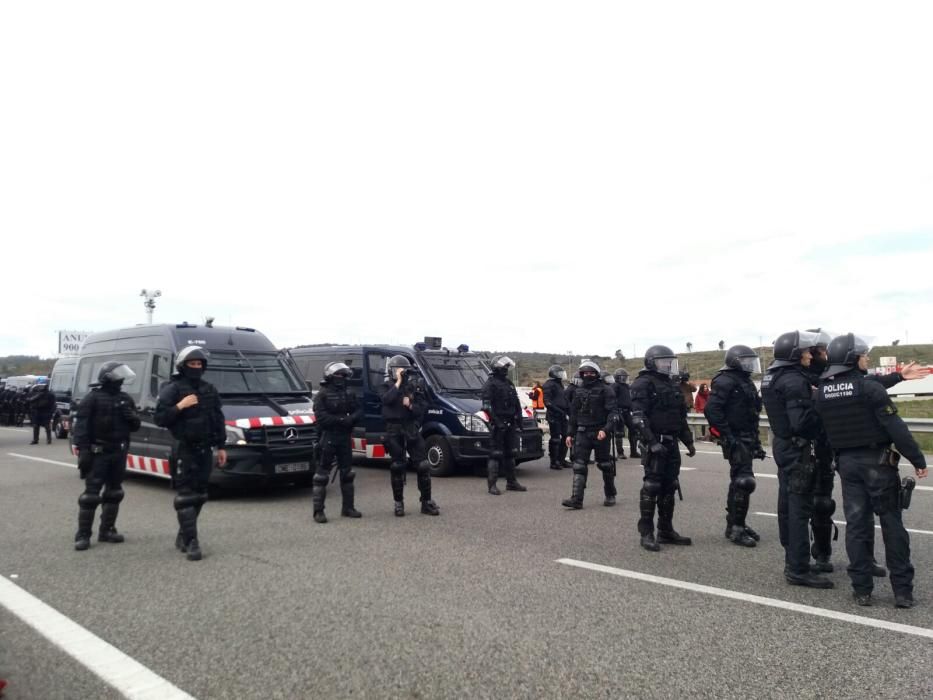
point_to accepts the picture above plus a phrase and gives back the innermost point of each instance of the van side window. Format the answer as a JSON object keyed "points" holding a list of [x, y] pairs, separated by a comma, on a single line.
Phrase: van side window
{"points": [[376, 366], [161, 373], [89, 368]]}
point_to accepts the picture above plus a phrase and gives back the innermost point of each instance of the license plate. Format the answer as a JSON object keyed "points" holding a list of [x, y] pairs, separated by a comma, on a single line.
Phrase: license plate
{"points": [[292, 467]]}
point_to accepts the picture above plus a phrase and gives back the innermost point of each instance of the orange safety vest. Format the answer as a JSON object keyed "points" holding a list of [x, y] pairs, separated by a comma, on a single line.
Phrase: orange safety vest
{"points": [[537, 401]]}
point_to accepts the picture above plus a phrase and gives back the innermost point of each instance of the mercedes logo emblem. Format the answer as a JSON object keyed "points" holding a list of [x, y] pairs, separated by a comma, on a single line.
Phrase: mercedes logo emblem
{"points": [[291, 435]]}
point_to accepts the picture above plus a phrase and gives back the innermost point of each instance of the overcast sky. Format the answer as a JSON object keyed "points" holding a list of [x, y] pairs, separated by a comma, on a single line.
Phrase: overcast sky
{"points": [[534, 176]]}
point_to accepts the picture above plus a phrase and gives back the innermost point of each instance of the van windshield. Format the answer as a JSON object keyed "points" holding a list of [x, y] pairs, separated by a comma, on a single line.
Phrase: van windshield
{"points": [[456, 372], [232, 373]]}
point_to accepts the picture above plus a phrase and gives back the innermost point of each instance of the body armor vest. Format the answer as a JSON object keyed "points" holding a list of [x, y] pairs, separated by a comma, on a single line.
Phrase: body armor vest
{"points": [[847, 415]]}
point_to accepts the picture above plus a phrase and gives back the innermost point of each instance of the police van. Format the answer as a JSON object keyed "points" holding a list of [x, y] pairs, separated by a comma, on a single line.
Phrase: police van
{"points": [[266, 403], [455, 429], [60, 384]]}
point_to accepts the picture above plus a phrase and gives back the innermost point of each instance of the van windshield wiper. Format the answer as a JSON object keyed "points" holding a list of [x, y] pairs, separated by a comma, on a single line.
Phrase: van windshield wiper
{"points": [[275, 405]]}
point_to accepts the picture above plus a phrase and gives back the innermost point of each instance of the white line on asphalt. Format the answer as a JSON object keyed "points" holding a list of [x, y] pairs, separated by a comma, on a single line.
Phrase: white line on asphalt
{"points": [[688, 469], [843, 522], [102, 658], [749, 598], [16, 430], [43, 459]]}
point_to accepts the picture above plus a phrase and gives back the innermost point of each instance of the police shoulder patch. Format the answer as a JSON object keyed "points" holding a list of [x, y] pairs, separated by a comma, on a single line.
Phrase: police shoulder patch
{"points": [[889, 409]]}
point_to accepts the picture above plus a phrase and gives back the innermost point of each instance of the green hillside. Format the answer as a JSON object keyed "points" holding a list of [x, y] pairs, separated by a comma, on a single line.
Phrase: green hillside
{"points": [[15, 365]]}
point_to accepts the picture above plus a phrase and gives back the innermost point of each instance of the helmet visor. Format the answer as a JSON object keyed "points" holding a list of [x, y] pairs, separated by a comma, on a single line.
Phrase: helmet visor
{"points": [[121, 373], [807, 339], [609, 379], [504, 361], [823, 337], [667, 365], [750, 364], [561, 374]]}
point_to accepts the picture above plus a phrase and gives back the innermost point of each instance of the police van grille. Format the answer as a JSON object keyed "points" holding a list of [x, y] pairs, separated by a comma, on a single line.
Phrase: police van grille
{"points": [[304, 435], [274, 436]]}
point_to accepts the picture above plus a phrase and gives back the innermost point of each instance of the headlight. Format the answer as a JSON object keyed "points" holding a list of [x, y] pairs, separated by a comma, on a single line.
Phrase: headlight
{"points": [[235, 436], [473, 423]]}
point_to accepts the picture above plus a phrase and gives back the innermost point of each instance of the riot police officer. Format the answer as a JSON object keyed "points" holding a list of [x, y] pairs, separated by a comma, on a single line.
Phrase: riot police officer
{"points": [[732, 412], [501, 404], [592, 421], [787, 397], [861, 422], [624, 409], [105, 418], [336, 411], [190, 408], [555, 402], [404, 402], [659, 414], [41, 407]]}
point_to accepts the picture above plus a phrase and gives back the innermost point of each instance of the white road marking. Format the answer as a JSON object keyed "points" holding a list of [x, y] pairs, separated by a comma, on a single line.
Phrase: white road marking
{"points": [[43, 459], [107, 662], [843, 522], [17, 430], [775, 476], [757, 599], [688, 469]]}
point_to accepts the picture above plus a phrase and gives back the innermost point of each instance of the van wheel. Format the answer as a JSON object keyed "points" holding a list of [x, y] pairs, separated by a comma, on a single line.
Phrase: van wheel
{"points": [[439, 456], [59, 430]]}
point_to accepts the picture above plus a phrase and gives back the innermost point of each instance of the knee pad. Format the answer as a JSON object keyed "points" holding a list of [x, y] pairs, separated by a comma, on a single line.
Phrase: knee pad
{"points": [[496, 454], [423, 467], [186, 500], [202, 497], [651, 488], [824, 505], [319, 479], [745, 482], [347, 477], [112, 495], [398, 467], [580, 468], [671, 488], [606, 467], [88, 500]]}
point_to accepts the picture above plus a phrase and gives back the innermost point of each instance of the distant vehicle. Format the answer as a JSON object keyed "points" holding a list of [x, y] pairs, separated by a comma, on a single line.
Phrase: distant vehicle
{"points": [[61, 385], [266, 404], [23, 381], [455, 429]]}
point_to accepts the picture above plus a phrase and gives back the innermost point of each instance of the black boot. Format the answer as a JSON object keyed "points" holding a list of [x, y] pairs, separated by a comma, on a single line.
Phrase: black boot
{"points": [[188, 524], [108, 518], [646, 505], [492, 476], [346, 492], [809, 580], [576, 497], [738, 536], [666, 532], [822, 548], [609, 487], [428, 506], [318, 494], [87, 506], [511, 483], [739, 507]]}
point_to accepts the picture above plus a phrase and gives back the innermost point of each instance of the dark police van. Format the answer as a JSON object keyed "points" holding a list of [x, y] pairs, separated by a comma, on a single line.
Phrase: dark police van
{"points": [[266, 403], [455, 428], [60, 384]]}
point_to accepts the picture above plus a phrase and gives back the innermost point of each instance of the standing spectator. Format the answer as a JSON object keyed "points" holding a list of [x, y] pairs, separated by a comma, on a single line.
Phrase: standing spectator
{"points": [[687, 388], [699, 404]]}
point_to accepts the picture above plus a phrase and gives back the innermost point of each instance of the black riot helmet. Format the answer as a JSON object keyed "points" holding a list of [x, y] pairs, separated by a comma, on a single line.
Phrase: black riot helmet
{"points": [[396, 362], [501, 365], [789, 347], [112, 375], [819, 349], [557, 372], [742, 358], [660, 358], [588, 370], [191, 352], [337, 372], [844, 352], [621, 376]]}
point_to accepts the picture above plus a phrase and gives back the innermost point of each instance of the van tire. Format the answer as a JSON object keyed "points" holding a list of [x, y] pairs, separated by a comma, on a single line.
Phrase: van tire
{"points": [[439, 456], [59, 431]]}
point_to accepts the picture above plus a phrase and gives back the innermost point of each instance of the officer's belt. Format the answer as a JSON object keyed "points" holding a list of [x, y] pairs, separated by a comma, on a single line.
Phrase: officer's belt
{"points": [[873, 446], [667, 438], [101, 447]]}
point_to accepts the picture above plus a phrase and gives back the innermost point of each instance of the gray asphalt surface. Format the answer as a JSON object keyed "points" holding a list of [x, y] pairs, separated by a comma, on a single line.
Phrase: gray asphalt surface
{"points": [[469, 604]]}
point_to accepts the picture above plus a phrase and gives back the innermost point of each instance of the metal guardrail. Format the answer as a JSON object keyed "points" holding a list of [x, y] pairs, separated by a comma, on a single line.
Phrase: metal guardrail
{"points": [[699, 425]]}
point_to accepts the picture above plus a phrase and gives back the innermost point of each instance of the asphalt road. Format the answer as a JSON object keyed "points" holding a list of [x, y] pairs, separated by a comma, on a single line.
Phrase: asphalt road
{"points": [[470, 604]]}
